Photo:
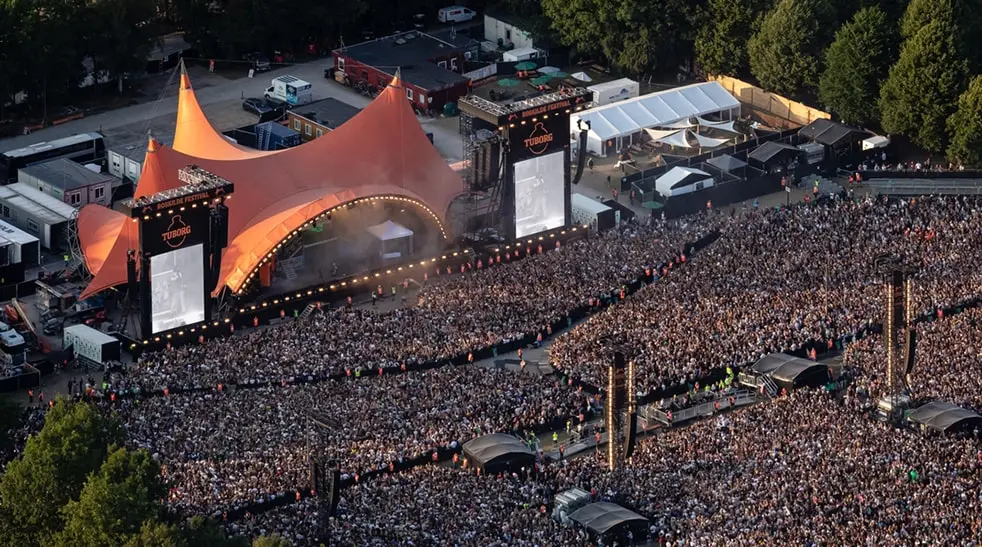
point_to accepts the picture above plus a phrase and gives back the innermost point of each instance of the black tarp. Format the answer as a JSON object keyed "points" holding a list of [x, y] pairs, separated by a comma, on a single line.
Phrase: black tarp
{"points": [[602, 518], [941, 416], [498, 452], [789, 371], [829, 133]]}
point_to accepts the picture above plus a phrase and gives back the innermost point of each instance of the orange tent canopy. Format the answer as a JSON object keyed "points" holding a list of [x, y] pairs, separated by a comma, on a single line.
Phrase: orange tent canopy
{"points": [[381, 152]]}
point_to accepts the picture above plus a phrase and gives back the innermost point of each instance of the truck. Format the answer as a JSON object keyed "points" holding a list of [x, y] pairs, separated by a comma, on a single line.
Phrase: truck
{"points": [[92, 345], [290, 90]]}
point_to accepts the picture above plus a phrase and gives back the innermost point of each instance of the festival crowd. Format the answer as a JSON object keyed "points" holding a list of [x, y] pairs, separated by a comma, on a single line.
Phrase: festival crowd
{"points": [[778, 279], [946, 360], [452, 316], [222, 450]]}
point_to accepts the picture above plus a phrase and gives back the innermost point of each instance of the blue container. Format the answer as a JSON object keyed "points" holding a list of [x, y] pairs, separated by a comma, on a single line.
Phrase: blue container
{"points": [[273, 136]]}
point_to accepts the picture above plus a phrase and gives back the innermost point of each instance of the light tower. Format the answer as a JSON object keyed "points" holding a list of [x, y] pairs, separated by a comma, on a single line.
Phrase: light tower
{"points": [[899, 336]]}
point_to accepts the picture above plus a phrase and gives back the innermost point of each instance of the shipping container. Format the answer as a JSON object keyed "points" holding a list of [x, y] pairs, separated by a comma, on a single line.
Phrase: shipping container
{"points": [[273, 136], [91, 344]]}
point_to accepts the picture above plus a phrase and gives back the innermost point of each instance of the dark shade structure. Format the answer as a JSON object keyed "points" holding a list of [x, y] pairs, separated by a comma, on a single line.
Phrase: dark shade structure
{"points": [[789, 371], [943, 416], [498, 452], [829, 133], [727, 163], [603, 518]]}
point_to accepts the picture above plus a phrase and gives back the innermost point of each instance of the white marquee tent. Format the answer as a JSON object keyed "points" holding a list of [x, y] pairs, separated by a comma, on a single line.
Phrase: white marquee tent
{"points": [[682, 180], [617, 126]]}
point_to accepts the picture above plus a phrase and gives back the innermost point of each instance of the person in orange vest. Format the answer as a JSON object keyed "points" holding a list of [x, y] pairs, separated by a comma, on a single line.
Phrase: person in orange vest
{"points": [[540, 248], [41, 397], [709, 205], [166, 391], [520, 353], [30, 396]]}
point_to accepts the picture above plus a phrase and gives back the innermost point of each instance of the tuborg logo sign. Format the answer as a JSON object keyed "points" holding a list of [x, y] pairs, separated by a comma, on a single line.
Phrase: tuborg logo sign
{"points": [[177, 232], [538, 141]]}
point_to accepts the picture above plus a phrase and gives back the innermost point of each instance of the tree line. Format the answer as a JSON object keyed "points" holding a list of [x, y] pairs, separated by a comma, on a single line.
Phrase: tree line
{"points": [[909, 67], [75, 485]]}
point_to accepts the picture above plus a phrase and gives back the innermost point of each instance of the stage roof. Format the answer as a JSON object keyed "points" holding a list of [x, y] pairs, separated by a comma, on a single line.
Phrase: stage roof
{"points": [[786, 368], [601, 517], [277, 193], [497, 449], [940, 415]]}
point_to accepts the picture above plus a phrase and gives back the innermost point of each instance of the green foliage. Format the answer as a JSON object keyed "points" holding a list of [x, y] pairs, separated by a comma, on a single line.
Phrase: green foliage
{"points": [[270, 541], [965, 127], [634, 35], [115, 501], [122, 36], [785, 54], [157, 534], [922, 90], [204, 532], [856, 64], [721, 43], [965, 17], [72, 444]]}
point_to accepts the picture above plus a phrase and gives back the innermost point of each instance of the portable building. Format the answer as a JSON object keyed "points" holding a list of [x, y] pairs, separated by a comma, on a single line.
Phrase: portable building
{"points": [[592, 212], [43, 216], [19, 246], [682, 180], [617, 90], [68, 181], [125, 161], [91, 344]]}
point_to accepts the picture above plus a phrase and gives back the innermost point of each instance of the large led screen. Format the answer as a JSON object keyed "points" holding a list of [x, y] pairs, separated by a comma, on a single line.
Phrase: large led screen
{"points": [[540, 203], [177, 281]]}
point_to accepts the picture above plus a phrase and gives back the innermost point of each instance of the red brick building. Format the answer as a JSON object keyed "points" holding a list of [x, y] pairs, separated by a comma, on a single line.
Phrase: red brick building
{"points": [[430, 68]]}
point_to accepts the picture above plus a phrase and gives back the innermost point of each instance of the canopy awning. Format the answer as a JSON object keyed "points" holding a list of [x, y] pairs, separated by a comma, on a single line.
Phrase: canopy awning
{"points": [[498, 450], [709, 142], [726, 163], [388, 231], [941, 416], [788, 369], [602, 517]]}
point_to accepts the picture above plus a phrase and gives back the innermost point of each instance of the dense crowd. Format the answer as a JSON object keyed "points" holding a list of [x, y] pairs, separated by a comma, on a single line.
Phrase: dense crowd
{"points": [[806, 469], [946, 364], [802, 470], [451, 316], [778, 279], [430, 505], [225, 449]]}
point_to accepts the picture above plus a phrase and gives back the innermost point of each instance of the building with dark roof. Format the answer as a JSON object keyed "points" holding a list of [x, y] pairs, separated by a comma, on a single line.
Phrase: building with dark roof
{"points": [[68, 181], [314, 119], [430, 69]]}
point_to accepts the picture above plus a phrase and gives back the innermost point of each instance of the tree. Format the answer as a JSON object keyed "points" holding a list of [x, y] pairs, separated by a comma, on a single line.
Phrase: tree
{"points": [[204, 532], [115, 502], [157, 534], [721, 43], [922, 90], [51, 471], [634, 35], [856, 64], [123, 36], [10, 418], [12, 43], [270, 541], [785, 54], [53, 56], [965, 17], [965, 127]]}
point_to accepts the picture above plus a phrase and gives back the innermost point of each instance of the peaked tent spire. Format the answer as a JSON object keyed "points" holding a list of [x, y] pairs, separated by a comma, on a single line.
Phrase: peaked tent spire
{"points": [[397, 79], [195, 136]]}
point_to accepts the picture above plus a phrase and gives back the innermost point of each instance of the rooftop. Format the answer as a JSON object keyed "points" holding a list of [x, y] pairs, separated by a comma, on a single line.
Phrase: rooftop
{"points": [[137, 150], [414, 53], [15, 198], [329, 112], [63, 173]]}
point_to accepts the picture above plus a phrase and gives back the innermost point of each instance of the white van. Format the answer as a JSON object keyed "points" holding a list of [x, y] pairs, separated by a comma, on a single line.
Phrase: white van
{"points": [[455, 14]]}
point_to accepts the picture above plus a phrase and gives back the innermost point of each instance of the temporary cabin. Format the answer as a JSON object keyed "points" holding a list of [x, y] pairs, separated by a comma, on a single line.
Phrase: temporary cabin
{"points": [[682, 180]]}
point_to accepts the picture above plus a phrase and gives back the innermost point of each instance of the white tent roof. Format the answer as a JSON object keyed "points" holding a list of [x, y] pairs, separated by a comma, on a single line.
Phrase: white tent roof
{"points": [[876, 141], [658, 135], [579, 201], [614, 84], [657, 109], [709, 142], [388, 230], [581, 76], [13, 234], [679, 138], [722, 126], [664, 183]]}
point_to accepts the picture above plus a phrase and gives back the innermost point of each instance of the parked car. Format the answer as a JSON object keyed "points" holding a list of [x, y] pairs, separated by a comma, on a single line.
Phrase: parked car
{"points": [[257, 106], [258, 62]]}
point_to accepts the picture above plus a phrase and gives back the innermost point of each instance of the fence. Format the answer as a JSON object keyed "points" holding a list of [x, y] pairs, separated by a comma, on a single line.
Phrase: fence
{"points": [[740, 397], [791, 113]]}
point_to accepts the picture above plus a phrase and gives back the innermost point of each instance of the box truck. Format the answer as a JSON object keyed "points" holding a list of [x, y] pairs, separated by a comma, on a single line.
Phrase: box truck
{"points": [[91, 344], [290, 90]]}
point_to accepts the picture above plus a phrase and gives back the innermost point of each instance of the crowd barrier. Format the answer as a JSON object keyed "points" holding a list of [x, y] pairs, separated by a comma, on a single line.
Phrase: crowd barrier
{"points": [[924, 174]]}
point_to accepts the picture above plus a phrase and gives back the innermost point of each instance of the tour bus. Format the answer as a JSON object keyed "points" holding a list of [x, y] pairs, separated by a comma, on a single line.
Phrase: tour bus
{"points": [[82, 148]]}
